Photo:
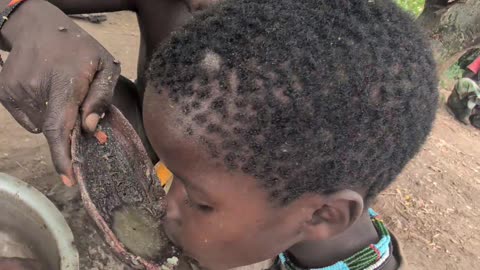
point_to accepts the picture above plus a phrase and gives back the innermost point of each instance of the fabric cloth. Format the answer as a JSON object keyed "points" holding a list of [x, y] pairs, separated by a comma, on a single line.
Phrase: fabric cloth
{"points": [[464, 98], [475, 66]]}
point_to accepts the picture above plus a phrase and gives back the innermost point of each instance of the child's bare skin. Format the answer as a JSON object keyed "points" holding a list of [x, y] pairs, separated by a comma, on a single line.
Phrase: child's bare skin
{"points": [[236, 195], [264, 170], [237, 122]]}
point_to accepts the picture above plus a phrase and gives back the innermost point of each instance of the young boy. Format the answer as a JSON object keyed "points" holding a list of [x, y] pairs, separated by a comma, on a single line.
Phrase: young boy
{"points": [[282, 121], [464, 101]]}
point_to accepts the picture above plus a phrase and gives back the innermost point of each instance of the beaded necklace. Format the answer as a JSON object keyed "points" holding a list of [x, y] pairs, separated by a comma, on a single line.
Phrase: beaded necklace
{"points": [[370, 258]]}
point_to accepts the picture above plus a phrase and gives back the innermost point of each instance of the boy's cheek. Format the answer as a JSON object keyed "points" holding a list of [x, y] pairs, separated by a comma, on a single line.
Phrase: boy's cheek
{"points": [[191, 243], [212, 247], [196, 240]]}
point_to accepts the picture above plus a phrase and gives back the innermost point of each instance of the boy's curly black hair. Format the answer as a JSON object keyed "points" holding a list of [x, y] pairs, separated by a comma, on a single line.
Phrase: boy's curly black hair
{"points": [[307, 96]]}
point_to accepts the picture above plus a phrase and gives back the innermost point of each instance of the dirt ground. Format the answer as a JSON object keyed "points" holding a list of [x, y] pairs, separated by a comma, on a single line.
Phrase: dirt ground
{"points": [[433, 208]]}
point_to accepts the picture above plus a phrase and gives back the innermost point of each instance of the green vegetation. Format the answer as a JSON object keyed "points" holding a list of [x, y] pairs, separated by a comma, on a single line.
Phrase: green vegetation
{"points": [[455, 72], [415, 7], [450, 76]]}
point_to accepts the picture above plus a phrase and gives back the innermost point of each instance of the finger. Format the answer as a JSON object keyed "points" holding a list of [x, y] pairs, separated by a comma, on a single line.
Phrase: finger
{"points": [[58, 138], [100, 94], [20, 116], [61, 116], [33, 101], [13, 95]]}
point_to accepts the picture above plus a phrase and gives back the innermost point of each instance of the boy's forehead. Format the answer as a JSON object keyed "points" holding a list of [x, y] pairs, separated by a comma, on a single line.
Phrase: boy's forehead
{"points": [[186, 155], [161, 115], [167, 126]]}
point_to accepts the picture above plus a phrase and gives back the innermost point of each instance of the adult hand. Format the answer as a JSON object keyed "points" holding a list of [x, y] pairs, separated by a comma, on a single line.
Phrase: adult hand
{"points": [[54, 71], [18, 264]]}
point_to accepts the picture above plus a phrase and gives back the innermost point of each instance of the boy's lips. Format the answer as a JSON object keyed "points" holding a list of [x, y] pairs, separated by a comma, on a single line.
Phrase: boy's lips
{"points": [[171, 236], [176, 243]]}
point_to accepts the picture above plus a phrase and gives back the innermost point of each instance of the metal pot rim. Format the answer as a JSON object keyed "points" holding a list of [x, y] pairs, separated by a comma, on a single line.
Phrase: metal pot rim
{"points": [[54, 221]]}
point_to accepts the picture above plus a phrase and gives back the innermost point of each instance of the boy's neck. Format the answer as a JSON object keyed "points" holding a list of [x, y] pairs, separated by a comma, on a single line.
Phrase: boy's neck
{"points": [[325, 253]]}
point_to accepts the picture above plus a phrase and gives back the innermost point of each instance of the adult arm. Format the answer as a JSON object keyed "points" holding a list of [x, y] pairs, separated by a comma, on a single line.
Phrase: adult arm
{"points": [[54, 73], [93, 6]]}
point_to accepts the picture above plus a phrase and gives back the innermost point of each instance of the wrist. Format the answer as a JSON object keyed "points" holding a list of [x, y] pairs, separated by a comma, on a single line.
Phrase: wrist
{"points": [[19, 21]]}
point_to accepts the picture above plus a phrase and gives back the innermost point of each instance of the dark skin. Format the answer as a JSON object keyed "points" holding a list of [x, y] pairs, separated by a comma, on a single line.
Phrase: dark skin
{"points": [[46, 88], [224, 219], [206, 200]]}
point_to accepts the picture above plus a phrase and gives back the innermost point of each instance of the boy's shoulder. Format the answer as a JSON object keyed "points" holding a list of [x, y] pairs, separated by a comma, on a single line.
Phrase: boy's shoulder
{"points": [[398, 253], [276, 265], [273, 264]]}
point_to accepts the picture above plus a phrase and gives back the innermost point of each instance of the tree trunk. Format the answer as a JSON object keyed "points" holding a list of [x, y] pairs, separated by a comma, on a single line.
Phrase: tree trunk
{"points": [[453, 28]]}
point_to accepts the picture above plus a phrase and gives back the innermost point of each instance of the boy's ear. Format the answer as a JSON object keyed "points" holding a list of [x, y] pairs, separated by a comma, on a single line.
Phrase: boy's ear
{"points": [[332, 214]]}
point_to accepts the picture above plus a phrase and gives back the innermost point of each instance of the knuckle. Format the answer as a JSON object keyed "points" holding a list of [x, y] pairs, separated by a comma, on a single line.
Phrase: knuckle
{"points": [[102, 101], [52, 131], [98, 104], [69, 88], [117, 69], [5, 98], [114, 66], [54, 138], [35, 83], [36, 130], [53, 128]]}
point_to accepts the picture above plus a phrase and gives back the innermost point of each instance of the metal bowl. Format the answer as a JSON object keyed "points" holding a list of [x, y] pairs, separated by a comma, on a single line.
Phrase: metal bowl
{"points": [[32, 227]]}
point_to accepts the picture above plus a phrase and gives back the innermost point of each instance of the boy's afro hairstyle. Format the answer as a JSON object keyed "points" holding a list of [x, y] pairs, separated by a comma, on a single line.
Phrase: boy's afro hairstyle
{"points": [[305, 95]]}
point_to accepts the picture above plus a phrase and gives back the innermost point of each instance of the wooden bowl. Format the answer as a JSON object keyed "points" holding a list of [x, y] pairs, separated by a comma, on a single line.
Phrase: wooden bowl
{"points": [[114, 172]]}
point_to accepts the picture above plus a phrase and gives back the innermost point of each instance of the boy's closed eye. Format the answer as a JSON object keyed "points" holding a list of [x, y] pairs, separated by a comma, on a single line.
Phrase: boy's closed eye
{"points": [[192, 201], [204, 208]]}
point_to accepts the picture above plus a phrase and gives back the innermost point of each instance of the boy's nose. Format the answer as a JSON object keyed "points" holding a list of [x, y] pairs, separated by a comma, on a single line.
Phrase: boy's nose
{"points": [[172, 220], [174, 198]]}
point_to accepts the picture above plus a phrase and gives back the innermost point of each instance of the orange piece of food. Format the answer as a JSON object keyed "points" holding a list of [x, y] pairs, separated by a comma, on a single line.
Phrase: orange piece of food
{"points": [[101, 136], [163, 173]]}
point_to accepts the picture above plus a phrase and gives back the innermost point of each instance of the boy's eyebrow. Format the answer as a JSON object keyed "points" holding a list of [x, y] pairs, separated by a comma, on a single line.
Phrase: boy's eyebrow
{"points": [[190, 184]]}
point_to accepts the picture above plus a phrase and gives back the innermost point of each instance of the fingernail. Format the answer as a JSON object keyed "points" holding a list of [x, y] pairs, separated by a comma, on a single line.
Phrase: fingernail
{"points": [[67, 181], [91, 122]]}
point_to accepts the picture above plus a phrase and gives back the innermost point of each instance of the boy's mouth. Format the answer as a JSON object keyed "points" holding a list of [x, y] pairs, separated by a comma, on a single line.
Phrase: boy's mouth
{"points": [[171, 236], [176, 242]]}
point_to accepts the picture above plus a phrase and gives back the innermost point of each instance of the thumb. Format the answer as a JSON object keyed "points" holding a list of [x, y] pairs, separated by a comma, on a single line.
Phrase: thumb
{"points": [[100, 94]]}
